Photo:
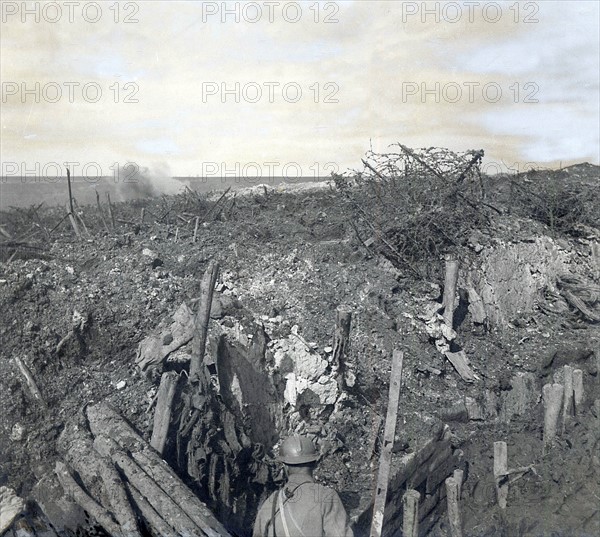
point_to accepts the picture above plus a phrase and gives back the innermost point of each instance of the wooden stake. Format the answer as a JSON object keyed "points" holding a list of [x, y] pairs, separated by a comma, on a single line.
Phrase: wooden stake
{"points": [[196, 228], [450, 281], [71, 209], [568, 406], [143, 213], [33, 389], [385, 459], [110, 211], [207, 288], [100, 211], [73, 222], [162, 414], [500, 472], [454, 518], [578, 389], [410, 516], [552, 396], [458, 477]]}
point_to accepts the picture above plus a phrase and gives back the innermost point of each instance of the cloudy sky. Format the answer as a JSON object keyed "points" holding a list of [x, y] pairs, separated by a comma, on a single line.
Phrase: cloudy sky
{"points": [[205, 88]]}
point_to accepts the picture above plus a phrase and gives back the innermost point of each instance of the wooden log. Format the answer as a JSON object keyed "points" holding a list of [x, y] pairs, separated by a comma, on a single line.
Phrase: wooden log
{"points": [[119, 502], [168, 509], [454, 515], [110, 211], [410, 516], [461, 363], [100, 211], [385, 459], [207, 288], [552, 396], [196, 228], [104, 420], [73, 490], [500, 470], [577, 390], [568, 402], [450, 281], [162, 414], [580, 305], [156, 524], [33, 389]]}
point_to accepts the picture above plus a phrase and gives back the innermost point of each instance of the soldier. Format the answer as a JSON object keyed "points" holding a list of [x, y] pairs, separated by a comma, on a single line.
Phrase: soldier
{"points": [[302, 508]]}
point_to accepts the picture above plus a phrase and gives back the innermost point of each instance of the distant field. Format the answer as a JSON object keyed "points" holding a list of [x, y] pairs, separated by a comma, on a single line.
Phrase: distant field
{"points": [[27, 191]]}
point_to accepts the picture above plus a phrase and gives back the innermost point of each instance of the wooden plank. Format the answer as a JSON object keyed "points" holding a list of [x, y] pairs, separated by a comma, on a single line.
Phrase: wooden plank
{"points": [[388, 443], [461, 363], [500, 469], [162, 414]]}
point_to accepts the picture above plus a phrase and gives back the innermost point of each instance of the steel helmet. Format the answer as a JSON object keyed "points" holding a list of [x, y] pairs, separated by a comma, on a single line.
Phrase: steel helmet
{"points": [[297, 449]]}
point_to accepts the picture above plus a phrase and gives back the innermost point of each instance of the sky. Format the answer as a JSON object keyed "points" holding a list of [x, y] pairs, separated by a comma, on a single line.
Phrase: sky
{"points": [[294, 88]]}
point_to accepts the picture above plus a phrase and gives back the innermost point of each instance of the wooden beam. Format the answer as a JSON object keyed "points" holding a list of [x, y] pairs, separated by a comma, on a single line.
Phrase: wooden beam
{"points": [[385, 459], [162, 414], [207, 288]]}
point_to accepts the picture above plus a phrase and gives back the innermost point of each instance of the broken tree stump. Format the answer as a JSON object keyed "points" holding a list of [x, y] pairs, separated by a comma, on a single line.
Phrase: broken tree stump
{"points": [[500, 472], [207, 288], [552, 396], [33, 389], [450, 281], [410, 516], [454, 516], [577, 389], [162, 414], [104, 420], [385, 460], [81, 497]]}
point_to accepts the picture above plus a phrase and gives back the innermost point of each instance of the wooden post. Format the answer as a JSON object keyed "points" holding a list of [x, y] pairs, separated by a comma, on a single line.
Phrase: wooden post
{"points": [[410, 517], [458, 477], [500, 473], [162, 414], [196, 228], [568, 406], [454, 518], [577, 389], [100, 211], [552, 400], [110, 211], [450, 281], [385, 459], [71, 209], [71, 216], [207, 288], [143, 213]]}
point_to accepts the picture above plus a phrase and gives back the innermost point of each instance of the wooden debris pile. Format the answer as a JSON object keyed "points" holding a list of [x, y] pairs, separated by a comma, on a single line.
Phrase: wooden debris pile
{"points": [[125, 485]]}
